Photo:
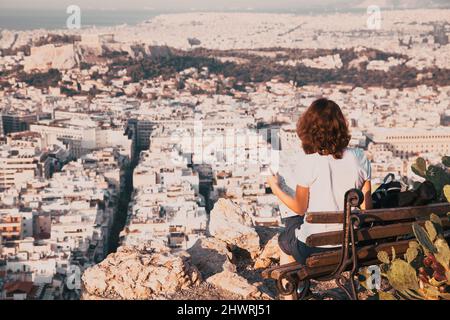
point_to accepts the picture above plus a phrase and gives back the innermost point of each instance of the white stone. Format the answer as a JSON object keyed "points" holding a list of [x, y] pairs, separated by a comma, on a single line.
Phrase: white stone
{"points": [[229, 223], [50, 56]]}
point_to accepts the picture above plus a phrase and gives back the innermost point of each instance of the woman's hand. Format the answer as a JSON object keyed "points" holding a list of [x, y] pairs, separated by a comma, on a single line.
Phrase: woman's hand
{"points": [[298, 204], [272, 181]]}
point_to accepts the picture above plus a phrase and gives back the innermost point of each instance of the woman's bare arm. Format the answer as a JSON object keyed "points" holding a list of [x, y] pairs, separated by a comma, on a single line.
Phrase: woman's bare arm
{"points": [[298, 204], [367, 192]]}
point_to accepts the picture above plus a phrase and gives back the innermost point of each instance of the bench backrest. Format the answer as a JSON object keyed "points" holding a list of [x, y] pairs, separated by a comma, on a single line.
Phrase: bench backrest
{"points": [[379, 230], [378, 224]]}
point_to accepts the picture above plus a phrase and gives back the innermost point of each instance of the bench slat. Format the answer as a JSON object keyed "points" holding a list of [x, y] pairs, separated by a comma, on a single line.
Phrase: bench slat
{"points": [[373, 233], [364, 253], [392, 214], [275, 272], [322, 264], [294, 266], [329, 260], [316, 272]]}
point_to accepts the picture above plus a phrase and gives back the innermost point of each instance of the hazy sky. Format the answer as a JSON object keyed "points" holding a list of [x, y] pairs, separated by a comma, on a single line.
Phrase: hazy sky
{"points": [[173, 4], [196, 4]]}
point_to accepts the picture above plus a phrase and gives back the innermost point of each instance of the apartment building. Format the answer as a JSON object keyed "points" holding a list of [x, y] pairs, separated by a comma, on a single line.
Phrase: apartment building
{"points": [[11, 227], [409, 142], [17, 122], [17, 166]]}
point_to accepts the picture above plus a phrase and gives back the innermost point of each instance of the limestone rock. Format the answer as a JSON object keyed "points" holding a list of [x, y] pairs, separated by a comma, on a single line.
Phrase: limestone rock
{"points": [[229, 223], [50, 56], [271, 251], [7, 39], [131, 273], [234, 283], [211, 256]]}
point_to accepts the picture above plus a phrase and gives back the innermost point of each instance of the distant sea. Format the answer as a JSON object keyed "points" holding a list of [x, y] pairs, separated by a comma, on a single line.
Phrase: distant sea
{"points": [[28, 19], [24, 19]]}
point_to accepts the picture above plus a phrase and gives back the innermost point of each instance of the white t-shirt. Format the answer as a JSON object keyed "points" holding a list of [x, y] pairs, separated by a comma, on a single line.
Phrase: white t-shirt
{"points": [[328, 180], [290, 157]]}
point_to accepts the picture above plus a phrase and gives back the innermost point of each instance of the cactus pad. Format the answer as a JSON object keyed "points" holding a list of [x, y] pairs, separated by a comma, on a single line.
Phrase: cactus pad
{"points": [[443, 253], [447, 192], [419, 167], [435, 219], [383, 257], [402, 276], [386, 296], [446, 161], [414, 244], [431, 230], [422, 237], [411, 254]]}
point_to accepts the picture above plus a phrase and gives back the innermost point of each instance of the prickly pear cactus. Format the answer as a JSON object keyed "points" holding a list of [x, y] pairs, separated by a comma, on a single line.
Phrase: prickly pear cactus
{"points": [[419, 167], [411, 254], [431, 230], [446, 161], [424, 238], [424, 273], [443, 252], [402, 276], [383, 257], [437, 223], [439, 175], [447, 192]]}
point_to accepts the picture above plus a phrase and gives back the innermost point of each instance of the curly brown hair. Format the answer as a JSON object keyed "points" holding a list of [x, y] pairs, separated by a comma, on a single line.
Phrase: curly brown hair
{"points": [[323, 129]]}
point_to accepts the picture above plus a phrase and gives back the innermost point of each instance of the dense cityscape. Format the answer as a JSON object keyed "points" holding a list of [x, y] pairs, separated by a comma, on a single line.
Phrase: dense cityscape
{"points": [[119, 136]]}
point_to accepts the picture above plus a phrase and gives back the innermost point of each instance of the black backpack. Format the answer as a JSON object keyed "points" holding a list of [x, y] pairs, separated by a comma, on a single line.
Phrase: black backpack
{"points": [[390, 195]]}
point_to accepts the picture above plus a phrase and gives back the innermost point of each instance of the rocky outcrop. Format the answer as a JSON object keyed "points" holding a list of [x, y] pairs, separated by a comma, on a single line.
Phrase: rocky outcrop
{"points": [[50, 56], [270, 253], [234, 283], [211, 256], [222, 264], [133, 273], [229, 223], [214, 260], [7, 39]]}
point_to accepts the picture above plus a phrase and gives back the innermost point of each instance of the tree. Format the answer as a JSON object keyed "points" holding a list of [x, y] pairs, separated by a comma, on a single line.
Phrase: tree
{"points": [[194, 42]]}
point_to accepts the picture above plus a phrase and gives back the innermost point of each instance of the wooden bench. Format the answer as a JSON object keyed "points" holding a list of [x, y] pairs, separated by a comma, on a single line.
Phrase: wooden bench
{"points": [[364, 234]]}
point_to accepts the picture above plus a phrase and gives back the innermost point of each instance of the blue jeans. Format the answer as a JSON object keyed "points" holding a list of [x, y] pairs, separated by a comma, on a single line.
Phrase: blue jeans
{"points": [[289, 243]]}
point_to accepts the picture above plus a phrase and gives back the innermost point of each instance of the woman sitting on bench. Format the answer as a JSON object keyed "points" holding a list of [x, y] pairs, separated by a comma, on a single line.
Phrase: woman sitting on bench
{"points": [[322, 176]]}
